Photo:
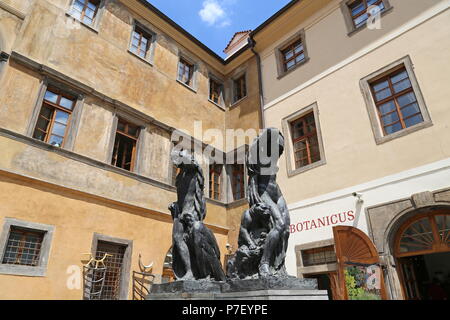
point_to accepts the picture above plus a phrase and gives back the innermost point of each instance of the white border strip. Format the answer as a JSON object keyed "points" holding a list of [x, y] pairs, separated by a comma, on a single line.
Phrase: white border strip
{"points": [[439, 8], [374, 184]]}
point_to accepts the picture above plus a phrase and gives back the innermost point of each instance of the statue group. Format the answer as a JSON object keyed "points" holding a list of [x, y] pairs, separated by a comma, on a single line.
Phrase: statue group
{"points": [[264, 230]]}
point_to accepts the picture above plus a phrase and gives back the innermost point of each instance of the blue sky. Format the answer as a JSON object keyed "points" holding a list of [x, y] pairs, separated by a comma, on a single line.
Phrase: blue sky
{"points": [[214, 22]]}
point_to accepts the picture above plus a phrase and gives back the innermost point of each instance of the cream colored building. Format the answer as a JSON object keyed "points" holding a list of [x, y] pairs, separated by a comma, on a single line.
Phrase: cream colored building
{"points": [[365, 146], [91, 92]]}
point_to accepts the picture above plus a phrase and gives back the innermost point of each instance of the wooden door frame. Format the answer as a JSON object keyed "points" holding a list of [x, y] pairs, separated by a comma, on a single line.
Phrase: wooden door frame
{"points": [[375, 259], [405, 224]]}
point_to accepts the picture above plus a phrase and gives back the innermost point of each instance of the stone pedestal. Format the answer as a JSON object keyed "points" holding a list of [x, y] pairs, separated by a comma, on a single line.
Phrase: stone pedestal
{"points": [[253, 289]]}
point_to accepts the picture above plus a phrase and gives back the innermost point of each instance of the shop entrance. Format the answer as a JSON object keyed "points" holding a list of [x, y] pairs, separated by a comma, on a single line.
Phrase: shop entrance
{"points": [[427, 277], [326, 281], [422, 249]]}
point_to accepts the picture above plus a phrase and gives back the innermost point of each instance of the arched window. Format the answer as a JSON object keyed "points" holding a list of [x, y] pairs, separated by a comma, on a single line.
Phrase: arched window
{"points": [[423, 234]]}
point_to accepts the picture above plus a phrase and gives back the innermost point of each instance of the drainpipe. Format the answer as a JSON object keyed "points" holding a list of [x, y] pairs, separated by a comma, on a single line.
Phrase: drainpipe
{"points": [[252, 43]]}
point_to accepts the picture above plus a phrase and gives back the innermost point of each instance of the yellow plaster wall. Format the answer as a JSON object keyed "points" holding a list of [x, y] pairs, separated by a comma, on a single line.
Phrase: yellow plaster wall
{"points": [[75, 219], [102, 60], [18, 95]]}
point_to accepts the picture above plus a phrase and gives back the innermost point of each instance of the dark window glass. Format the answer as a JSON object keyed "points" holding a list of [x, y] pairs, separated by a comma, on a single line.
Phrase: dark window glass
{"points": [[240, 88], [124, 152], [54, 118], [185, 72], [313, 257], [215, 171], [23, 247], [396, 102], [305, 141]]}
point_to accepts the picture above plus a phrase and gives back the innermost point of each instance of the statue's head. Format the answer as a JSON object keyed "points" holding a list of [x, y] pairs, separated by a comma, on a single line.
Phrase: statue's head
{"points": [[265, 151], [182, 158]]}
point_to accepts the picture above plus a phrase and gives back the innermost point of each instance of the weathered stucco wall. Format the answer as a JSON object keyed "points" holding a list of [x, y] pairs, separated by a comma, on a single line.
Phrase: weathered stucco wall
{"points": [[76, 218], [18, 95], [245, 114], [76, 190], [101, 60]]}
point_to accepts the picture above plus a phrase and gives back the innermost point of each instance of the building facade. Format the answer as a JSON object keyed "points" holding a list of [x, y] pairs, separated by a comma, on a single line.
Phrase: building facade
{"points": [[92, 91], [90, 94], [364, 109]]}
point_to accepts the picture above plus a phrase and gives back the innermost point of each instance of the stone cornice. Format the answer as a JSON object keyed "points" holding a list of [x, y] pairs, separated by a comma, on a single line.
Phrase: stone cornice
{"points": [[12, 10], [86, 89]]}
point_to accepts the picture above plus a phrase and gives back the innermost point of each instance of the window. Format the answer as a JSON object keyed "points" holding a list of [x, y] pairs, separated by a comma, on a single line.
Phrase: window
{"points": [[357, 12], [124, 153], [238, 183], [215, 172], [140, 42], [54, 118], [394, 101], [317, 256], [185, 72], [85, 10], [114, 266], [306, 150], [23, 247], [423, 234], [116, 280], [240, 88], [215, 91], [293, 55], [306, 143]]}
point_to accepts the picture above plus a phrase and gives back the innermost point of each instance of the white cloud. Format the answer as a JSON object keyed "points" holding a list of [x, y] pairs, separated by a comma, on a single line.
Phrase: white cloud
{"points": [[214, 14]]}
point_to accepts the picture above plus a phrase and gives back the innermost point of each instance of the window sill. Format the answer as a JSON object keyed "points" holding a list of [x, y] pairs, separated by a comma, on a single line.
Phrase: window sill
{"points": [[18, 270], [187, 86], [217, 105], [149, 62], [364, 26], [238, 102], [90, 27], [403, 132], [298, 65], [311, 166]]}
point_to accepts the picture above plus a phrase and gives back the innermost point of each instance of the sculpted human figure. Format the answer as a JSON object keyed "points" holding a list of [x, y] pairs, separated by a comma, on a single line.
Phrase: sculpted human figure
{"points": [[263, 187], [195, 253], [264, 229]]}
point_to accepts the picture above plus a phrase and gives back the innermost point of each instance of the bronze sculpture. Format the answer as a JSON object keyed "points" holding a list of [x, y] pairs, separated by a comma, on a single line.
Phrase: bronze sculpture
{"points": [[195, 253], [264, 232]]}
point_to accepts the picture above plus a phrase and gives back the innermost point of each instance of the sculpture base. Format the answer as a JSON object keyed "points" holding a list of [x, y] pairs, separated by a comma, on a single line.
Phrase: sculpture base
{"points": [[252, 289]]}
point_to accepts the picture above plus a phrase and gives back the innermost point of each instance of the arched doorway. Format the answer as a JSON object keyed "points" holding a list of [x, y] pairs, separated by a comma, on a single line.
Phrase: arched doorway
{"points": [[422, 250]]}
